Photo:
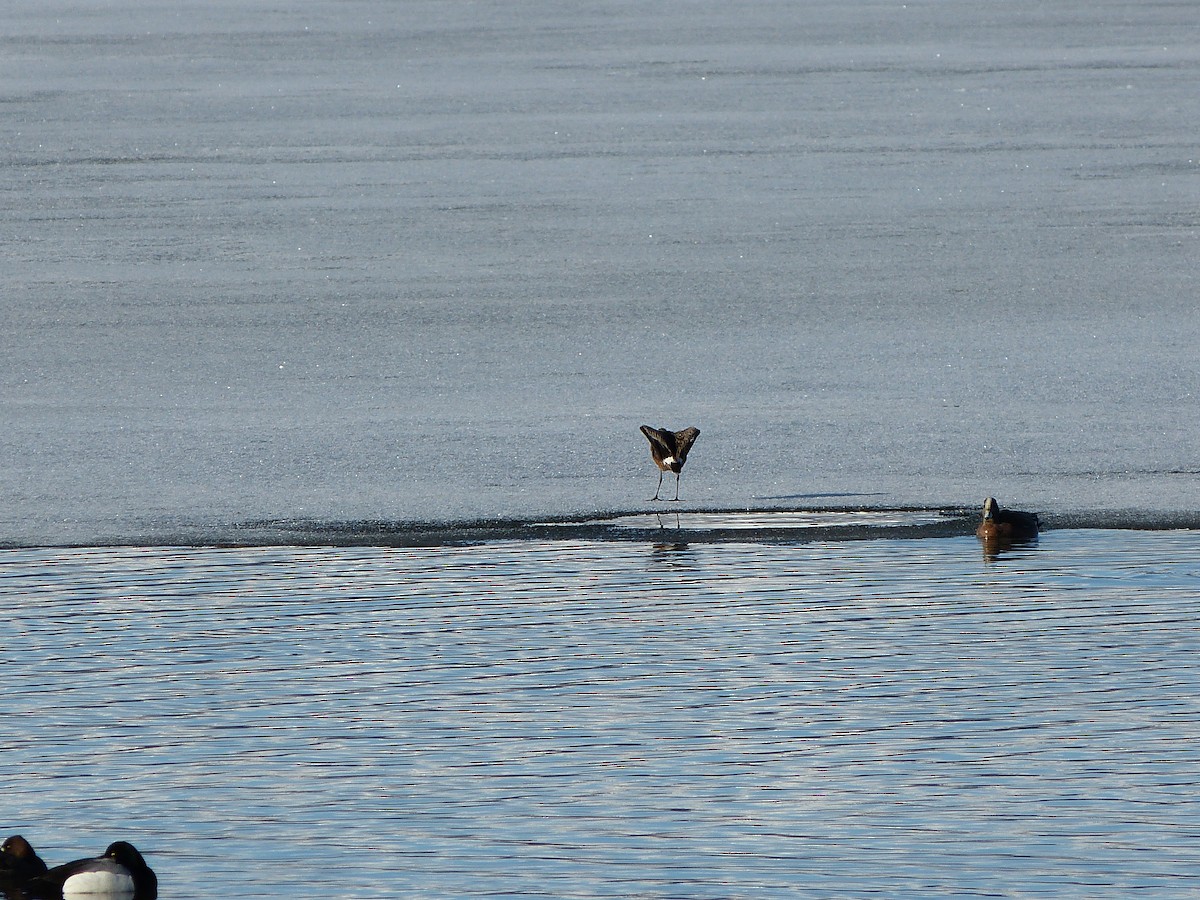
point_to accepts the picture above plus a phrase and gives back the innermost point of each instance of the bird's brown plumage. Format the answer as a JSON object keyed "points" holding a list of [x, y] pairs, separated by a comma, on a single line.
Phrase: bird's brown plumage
{"points": [[669, 450], [1006, 524]]}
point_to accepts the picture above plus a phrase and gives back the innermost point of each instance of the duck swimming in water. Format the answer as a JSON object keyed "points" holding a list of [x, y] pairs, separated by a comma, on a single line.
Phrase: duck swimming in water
{"points": [[18, 861], [1012, 524], [120, 871]]}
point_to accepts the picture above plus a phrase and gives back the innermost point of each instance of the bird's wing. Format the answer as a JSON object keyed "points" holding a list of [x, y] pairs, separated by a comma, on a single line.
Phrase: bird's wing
{"points": [[659, 438], [684, 440]]}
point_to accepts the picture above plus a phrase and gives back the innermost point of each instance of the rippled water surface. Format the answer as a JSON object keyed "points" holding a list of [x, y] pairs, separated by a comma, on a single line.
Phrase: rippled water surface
{"points": [[615, 719]]}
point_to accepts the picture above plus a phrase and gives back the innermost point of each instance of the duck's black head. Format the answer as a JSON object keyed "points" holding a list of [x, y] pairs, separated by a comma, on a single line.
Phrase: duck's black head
{"points": [[145, 881], [126, 854], [17, 857]]}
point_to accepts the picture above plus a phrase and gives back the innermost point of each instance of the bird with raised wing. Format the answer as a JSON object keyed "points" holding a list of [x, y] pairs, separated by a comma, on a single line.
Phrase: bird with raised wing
{"points": [[669, 450]]}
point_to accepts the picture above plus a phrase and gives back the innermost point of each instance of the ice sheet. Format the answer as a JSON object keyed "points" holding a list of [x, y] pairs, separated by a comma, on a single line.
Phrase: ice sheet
{"points": [[434, 262]]}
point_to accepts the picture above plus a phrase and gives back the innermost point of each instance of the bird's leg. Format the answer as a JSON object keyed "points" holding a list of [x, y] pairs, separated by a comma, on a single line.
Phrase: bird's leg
{"points": [[676, 485], [659, 488]]}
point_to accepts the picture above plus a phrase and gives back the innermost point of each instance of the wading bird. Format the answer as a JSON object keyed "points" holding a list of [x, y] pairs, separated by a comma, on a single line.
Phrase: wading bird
{"points": [[669, 450]]}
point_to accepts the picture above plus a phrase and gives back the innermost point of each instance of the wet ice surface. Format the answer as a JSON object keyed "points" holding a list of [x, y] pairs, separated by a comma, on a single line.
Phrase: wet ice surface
{"points": [[789, 520], [434, 262], [614, 719]]}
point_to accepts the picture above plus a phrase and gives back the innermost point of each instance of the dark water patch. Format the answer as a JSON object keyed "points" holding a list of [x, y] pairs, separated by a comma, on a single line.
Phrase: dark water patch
{"points": [[662, 522]]}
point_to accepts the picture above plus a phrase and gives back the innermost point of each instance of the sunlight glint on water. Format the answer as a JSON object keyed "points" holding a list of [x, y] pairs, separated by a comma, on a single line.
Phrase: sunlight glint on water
{"points": [[613, 719]]}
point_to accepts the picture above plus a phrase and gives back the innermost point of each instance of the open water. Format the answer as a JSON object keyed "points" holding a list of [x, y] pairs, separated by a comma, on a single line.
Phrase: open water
{"points": [[887, 717]]}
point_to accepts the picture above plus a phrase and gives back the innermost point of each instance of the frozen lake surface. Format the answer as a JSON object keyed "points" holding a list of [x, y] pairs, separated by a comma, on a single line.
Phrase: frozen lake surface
{"points": [[897, 718], [433, 262]]}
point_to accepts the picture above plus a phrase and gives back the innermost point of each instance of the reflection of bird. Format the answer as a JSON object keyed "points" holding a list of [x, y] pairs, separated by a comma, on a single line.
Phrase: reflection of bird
{"points": [[18, 861], [1008, 525], [121, 871], [669, 450]]}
